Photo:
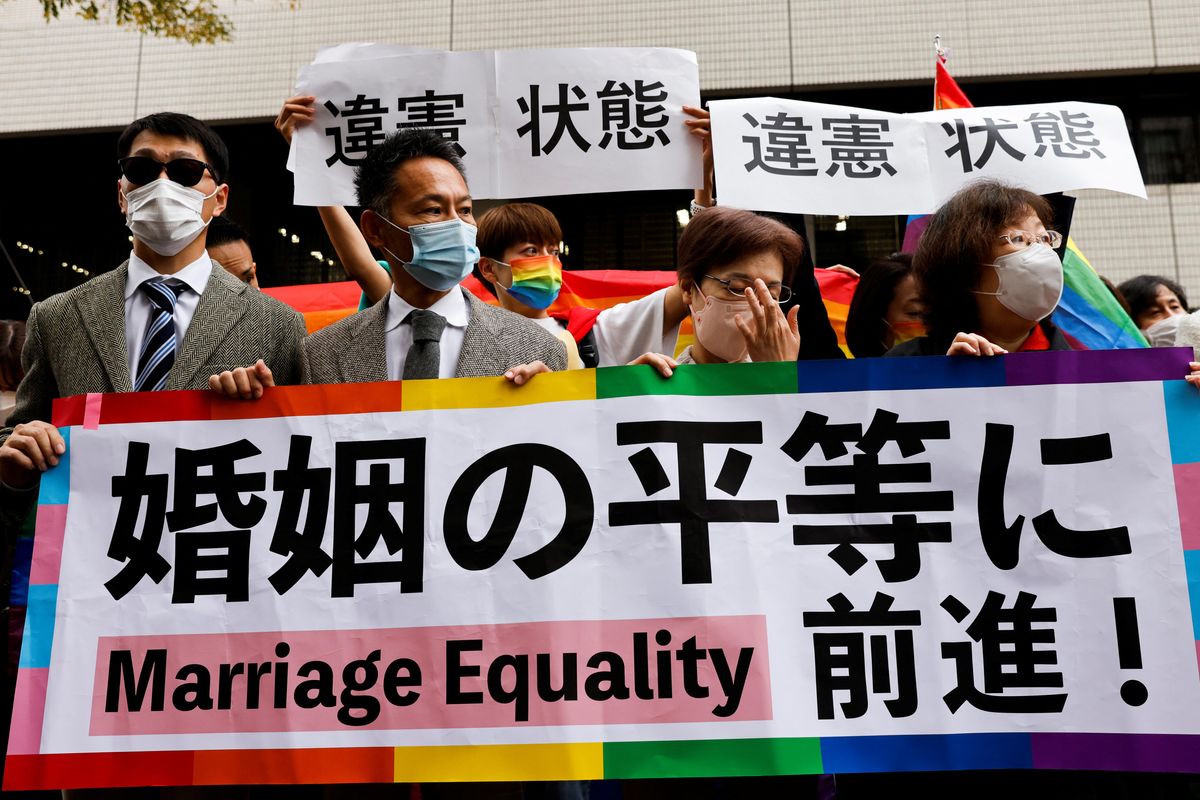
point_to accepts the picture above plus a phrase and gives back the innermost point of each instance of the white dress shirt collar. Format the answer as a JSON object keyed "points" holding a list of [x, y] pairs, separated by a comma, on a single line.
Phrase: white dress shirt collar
{"points": [[452, 306], [195, 274]]}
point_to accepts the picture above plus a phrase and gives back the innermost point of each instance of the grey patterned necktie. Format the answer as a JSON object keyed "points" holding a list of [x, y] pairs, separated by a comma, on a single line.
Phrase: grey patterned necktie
{"points": [[425, 353]]}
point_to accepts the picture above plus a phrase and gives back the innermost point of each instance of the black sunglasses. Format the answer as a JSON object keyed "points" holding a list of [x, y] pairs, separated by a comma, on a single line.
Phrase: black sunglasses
{"points": [[141, 170]]}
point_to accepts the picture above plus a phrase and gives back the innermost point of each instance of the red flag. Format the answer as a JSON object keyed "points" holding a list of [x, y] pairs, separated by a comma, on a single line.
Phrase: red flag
{"points": [[946, 93]]}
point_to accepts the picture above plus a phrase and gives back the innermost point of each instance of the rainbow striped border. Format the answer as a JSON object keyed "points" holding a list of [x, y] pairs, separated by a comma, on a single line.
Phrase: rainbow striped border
{"points": [[27, 769]]}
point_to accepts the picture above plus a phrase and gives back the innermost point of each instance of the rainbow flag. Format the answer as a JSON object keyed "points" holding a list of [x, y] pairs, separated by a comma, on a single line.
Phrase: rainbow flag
{"points": [[325, 303], [1088, 315]]}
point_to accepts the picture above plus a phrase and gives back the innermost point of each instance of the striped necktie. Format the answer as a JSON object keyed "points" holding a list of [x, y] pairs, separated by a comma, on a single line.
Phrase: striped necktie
{"points": [[158, 347]]}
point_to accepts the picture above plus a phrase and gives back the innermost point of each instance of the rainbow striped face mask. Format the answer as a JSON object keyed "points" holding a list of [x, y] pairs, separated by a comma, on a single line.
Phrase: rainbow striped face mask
{"points": [[535, 280]]}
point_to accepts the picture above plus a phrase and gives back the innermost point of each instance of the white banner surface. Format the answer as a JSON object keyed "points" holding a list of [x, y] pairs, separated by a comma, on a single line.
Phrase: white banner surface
{"points": [[530, 122], [798, 157]]}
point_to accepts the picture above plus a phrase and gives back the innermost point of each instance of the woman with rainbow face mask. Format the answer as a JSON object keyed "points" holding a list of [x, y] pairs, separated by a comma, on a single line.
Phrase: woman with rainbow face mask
{"points": [[886, 309], [518, 245]]}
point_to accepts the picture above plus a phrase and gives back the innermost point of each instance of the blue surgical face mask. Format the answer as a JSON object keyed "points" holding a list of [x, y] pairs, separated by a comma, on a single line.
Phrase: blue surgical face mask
{"points": [[443, 252]]}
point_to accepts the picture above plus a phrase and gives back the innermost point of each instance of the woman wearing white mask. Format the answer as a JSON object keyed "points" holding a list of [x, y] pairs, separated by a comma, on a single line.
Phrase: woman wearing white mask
{"points": [[735, 268], [1157, 305], [988, 275]]}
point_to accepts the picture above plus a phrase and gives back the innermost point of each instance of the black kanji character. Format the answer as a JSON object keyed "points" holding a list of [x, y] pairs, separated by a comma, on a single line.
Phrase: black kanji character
{"points": [[694, 511], [1012, 654], [364, 129], [563, 124], [351, 547], [904, 533], [139, 555], [301, 544], [629, 113], [786, 152], [223, 482], [517, 461], [841, 661], [434, 112], [857, 144], [232, 558], [1080, 142], [992, 129], [1002, 541]]}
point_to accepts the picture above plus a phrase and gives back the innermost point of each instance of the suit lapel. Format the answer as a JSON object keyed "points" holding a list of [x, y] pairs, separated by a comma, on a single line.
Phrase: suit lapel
{"points": [[479, 340], [220, 308], [102, 310], [365, 357]]}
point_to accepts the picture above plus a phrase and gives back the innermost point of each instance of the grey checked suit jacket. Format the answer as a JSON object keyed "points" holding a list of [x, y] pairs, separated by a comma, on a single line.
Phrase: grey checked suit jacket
{"points": [[75, 344], [353, 350]]}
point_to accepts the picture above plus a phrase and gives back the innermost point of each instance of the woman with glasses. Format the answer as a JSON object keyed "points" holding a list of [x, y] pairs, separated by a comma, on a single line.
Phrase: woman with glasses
{"points": [[988, 275], [735, 269]]}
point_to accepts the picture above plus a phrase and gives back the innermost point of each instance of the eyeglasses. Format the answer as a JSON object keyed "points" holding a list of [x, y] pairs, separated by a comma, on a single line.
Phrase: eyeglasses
{"points": [[141, 170], [738, 286], [1051, 239]]}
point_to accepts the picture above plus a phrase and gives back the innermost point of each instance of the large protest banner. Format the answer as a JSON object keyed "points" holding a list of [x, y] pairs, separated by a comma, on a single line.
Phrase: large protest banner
{"points": [[889, 564], [529, 122], [800, 157]]}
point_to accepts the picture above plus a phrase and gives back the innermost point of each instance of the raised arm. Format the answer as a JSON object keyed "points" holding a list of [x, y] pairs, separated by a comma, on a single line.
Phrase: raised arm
{"points": [[352, 249]]}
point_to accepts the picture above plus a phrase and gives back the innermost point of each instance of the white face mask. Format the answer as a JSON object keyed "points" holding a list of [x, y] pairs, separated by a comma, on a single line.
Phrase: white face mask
{"points": [[1162, 333], [166, 216], [1031, 282], [716, 329]]}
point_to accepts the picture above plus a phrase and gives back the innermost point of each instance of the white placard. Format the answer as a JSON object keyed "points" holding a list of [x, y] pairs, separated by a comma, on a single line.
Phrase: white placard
{"points": [[531, 122], [799, 157]]}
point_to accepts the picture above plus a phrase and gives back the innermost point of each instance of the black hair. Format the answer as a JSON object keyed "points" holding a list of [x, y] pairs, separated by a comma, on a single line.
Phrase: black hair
{"points": [[866, 328], [223, 230], [1142, 291], [167, 123], [374, 180]]}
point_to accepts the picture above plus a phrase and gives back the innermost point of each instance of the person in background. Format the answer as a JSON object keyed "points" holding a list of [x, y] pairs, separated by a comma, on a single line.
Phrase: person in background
{"points": [[518, 245], [987, 275], [518, 248], [229, 246], [1157, 305], [12, 339], [885, 310], [352, 249]]}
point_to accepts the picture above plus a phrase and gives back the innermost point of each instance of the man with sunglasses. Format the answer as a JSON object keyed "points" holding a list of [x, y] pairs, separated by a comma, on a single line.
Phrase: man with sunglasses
{"points": [[167, 318]]}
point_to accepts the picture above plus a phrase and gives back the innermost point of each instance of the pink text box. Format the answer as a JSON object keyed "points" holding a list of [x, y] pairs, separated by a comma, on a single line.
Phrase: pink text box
{"points": [[694, 684]]}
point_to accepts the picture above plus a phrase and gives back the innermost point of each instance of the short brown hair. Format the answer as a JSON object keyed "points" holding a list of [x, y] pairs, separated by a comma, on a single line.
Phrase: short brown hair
{"points": [[719, 236], [502, 227], [950, 257]]}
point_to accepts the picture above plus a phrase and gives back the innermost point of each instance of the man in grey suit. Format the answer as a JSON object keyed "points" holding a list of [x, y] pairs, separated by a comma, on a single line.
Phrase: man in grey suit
{"points": [[168, 318], [417, 210]]}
